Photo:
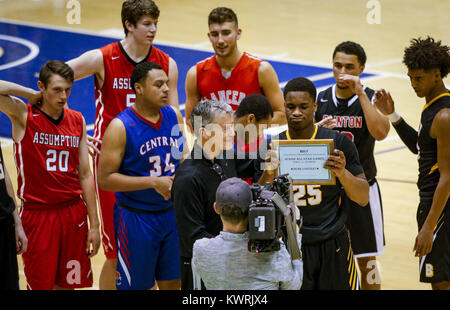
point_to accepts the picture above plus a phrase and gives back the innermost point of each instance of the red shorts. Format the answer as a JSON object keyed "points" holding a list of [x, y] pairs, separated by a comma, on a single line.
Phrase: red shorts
{"points": [[56, 251], [106, 200]]}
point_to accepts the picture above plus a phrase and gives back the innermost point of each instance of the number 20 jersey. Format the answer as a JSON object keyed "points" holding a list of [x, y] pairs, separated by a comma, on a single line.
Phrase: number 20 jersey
{"points": [[47, 159], [152, 149]]}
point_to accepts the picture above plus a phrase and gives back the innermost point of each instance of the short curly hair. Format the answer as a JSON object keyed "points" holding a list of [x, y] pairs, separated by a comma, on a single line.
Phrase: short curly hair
{"points": [[427, 54]]}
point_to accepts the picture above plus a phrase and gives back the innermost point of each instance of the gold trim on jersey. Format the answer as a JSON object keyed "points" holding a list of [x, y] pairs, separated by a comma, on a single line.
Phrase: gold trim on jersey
{"points": [[316, 127], [352, 269], [434, 100], [435, 166]]}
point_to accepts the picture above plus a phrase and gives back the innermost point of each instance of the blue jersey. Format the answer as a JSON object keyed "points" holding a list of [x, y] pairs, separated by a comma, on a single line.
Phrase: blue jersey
{"points": [[152, 149]]}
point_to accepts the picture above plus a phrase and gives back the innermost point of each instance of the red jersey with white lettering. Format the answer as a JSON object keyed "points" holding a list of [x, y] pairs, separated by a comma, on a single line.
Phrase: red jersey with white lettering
{"points": [[116, 93], [243, 80], [47, 159]]}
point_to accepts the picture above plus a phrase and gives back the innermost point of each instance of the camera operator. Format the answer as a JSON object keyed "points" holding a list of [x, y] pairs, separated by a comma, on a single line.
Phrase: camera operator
{"points": [[224, 262]]}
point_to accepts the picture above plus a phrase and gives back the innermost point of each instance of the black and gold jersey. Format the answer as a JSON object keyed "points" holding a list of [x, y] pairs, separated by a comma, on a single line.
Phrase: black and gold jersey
{"points": [[6, 203], [320, 204], [350, 121], [427, 146]]}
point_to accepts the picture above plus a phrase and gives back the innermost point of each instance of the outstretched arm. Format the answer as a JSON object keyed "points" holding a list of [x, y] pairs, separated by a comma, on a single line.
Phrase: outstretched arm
{"points": [[385, 104], [268, 80], [88, 64]]}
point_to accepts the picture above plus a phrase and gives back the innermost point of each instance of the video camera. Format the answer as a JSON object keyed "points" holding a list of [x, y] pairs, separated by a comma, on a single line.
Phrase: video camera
{"points": [[272, 216]]}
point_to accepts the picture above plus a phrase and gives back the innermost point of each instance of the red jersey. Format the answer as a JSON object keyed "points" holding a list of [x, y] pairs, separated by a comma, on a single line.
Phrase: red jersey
{"points": [[243, 80], [47, 159], [116, 93]]}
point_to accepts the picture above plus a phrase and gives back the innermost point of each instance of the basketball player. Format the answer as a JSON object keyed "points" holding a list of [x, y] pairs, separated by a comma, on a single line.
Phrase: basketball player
{"points": [[230, 75], [13, 240], [142, 148], [112, 66], [428, 62], [327, 254], [55, 182], [349, 103], [251, 146]]}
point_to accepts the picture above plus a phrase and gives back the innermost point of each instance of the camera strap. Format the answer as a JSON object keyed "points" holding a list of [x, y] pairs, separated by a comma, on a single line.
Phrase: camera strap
{"points": [[292, 244], [291, 226]]}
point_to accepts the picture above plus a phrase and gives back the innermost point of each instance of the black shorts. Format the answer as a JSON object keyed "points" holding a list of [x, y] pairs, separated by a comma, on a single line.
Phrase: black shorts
{"points": [[9, 271], [435, 266], [330, 265], [366, 225]]}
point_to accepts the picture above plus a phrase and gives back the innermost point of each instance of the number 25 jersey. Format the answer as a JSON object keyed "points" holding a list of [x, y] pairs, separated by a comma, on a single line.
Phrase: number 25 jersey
{"points": [[320, 204], [47, 159]]}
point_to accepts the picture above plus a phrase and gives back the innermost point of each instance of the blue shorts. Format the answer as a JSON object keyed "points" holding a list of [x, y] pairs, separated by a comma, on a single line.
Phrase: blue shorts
{"points": [[147, 248]]}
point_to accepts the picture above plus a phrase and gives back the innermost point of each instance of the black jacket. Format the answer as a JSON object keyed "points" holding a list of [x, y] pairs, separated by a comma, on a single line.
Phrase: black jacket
{"points": [[194, 193]]}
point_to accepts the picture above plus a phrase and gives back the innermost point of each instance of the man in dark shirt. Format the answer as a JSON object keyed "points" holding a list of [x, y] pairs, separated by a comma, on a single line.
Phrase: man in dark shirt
{"points": [[12, 237], [197, 178], [327, 254]]}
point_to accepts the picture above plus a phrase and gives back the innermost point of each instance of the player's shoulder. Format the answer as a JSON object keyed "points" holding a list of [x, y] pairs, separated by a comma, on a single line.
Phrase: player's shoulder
{"points": [[325, 94], [206, 61], [77, 115], [252, 57], [109, 49], [159, 51]]}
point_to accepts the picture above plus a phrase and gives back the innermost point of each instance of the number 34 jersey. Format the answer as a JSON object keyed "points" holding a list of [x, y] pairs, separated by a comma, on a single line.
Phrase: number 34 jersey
{"points": [[152, 149], [47, 159]]}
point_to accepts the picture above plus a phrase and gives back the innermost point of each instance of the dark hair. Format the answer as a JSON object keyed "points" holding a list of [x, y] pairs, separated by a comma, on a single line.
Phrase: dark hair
{"points": [[352, 48], [255, 104], [300, 84], [232, 213], [133, 10], [140, 72], [221, 15], [427, 54], [55, 67]]}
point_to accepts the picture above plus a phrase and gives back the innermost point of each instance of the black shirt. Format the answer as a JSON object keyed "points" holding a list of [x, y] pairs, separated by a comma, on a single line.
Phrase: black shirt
{"points": [[7, 205], [320, 204], [428, 168], [194, 193], [351, 122], [250, 160]]}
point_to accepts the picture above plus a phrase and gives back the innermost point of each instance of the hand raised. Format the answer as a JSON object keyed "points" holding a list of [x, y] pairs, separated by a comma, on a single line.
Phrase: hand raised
{"points": [[384, 102]]}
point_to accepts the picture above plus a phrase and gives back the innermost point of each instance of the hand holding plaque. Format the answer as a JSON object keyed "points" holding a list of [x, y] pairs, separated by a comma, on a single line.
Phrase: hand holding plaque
{"points": [[309, 161]]}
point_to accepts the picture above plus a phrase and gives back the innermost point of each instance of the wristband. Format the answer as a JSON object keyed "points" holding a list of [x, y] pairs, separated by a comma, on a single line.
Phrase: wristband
{"points": [[394, 117]]}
